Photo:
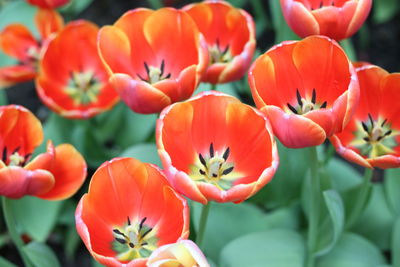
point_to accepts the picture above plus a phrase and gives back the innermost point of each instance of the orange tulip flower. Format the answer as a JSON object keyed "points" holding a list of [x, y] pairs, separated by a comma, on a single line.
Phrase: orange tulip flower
{"points": [[149, 69], [72, 80], [18, 42], [213, 147], [129, 211], [231, 40], [337, 19], [48, 3], [184, 253], [308, 89], [53, 175], [372, 138]]}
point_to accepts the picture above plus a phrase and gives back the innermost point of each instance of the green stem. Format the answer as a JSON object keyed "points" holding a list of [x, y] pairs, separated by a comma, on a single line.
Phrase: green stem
{"points": [[314, 207], [203, 222], [361, 199], [11, 226], [213, 87]]}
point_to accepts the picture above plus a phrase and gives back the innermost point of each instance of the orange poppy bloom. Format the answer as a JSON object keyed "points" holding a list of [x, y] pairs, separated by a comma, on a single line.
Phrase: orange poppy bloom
{"points": [[372, 138], [304, 106], [213, 147], [129, 211], [53, 175], [338, 19], [184, 253], [48, 3], [230, 36], [18, 42], [148, 69], [72, 80]]}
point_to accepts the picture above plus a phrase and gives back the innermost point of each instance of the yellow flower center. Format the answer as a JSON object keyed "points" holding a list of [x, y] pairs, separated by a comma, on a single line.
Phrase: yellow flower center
{"points": [[15, 158], [154, 74], [83, 87], [305, 105], [218, 55]]}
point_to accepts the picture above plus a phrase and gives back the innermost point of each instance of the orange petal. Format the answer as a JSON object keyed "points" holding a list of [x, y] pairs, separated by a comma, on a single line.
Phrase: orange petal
{"points": [[11, 75], [348, 153], [48, 3], [20, 130], [140, 96], [17, 182], [48, 21], [16, 40], [69, 170]]}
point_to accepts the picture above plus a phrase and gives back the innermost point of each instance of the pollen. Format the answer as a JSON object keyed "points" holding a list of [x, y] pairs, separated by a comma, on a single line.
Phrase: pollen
{"points": [[83, 87]]}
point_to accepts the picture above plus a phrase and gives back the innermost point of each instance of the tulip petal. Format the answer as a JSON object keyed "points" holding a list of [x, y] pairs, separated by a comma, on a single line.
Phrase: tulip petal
{"points": [[11, 75], [16, 40], [48, 21]]}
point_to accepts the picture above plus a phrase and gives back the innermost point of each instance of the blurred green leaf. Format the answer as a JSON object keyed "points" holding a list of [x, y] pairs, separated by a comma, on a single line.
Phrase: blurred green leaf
{"points": [[41, 255], [384, 10], [238, 3], [396, 243], [343, 175], [352, 251], [75, 7], [96, 264], [227, 221], [143, 152], [392, 189], [135, 128], [6, 263], [333, 225], [37, 217], [227, 88], [18, 11], [3, 97], [285, 187], [277, 248], [348, 47], [107, 124], [377, 220], [282, 30]]}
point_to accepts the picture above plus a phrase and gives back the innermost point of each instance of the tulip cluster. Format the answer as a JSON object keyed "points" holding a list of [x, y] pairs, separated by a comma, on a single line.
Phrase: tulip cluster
{"points": [[213, 147]]}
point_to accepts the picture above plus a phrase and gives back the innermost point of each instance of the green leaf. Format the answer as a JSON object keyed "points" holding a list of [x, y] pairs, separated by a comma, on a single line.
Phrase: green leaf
{"points": [[343, 176], [75, 7], [143, 152], [238, 3], [37, 217], [396, 243], [136, 128], [3, 97], [41, 255], [377, 221], [352, 251], [392, 189], [223, 224], [227, 88], [6, 263], [384, 10], [282, 30], [18, 11], [108, 124], [333, 225], [277, 248], [285, 187]]}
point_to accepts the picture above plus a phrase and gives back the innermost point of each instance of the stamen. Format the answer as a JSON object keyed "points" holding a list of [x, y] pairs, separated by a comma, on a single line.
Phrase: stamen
{"points": [[162, 67], [168, 76], [388, 133], [129, 221], [225, 50], [214, 175], [202, 172], [16, 150], [292, 108], [4, 157], [323, 105], [217, 43], [371, 120], [120, 240], [131, 245], [366, 139], [226, 154], [140, 77], [144, 244], [383, 123], [148, 231], [227, 171], [299, 98], [364, 126], [141, 223], [212, 150], [202, 160], [146, 67], [118, 232], [314, 96]]}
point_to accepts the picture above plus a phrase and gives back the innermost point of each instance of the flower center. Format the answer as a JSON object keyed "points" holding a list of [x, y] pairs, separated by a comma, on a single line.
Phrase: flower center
{"points": [[154, 74], [134, 241], [83, 87], [219, 55], [214, 168], [15, 158], [375, 138], [317, 4], [305, 105]]}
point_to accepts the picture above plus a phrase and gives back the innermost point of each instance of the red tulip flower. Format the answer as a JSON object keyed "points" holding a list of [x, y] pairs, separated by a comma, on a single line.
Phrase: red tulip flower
{"points": [[337, 19], [48, 3], [230, 36], [18, 42], [308, 89], [53, 175], [72, 80], [184, 253], [130, 211], [372, 138], [213, 147], [155, 58]]}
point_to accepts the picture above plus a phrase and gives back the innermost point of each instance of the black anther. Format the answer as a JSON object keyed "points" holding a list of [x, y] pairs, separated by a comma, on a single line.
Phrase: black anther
{"points": [[364, 126], [162, 67], [226, 154], [146, 67], [202, 160], [371, 120], [129, 221], [227, 171], [202, 172], [120, 240], [131, 245], [323, 105], [4, 157], [314, 96], [292, 108], [211, 150], [384, 122], [141, 223], [148, 231], [299, 98]]}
